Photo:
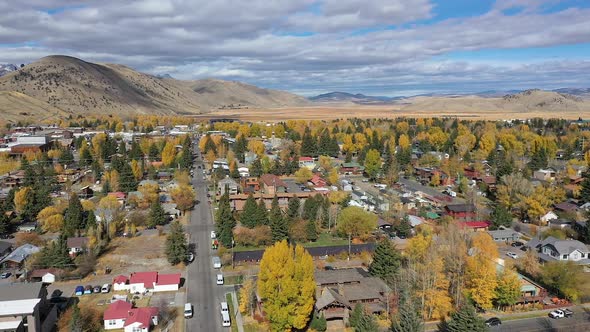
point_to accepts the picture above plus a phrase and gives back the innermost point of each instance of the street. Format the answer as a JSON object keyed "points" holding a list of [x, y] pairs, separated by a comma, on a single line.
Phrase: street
{"points": [[580, 322], [202, 291]]}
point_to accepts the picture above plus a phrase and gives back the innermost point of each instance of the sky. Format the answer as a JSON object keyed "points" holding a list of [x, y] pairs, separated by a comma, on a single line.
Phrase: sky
{"points": [[377, 47]]}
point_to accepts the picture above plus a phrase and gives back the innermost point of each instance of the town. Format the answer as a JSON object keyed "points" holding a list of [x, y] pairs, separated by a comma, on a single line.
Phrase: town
{"points": [[157, 223]]}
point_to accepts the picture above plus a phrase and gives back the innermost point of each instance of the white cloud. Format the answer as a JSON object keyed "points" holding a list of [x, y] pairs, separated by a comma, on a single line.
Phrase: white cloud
{"points": [[254, 40]]}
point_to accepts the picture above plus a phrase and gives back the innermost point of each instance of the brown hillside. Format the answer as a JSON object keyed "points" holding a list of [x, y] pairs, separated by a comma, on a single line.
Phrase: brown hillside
{"points": [[15, 106], [80, 87]]}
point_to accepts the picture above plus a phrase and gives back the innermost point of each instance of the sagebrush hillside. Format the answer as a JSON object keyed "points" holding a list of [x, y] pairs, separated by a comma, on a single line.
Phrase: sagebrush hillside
{"points": [[76, 87]]}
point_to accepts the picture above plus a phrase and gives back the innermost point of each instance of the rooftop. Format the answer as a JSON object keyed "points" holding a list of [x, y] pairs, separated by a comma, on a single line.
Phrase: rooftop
{"points": [[21, 253], [20, 291]]}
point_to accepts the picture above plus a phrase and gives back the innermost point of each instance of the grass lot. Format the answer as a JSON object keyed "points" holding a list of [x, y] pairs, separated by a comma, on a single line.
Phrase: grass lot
{"points": [[324, 240], [233, 280], [232, 314]]}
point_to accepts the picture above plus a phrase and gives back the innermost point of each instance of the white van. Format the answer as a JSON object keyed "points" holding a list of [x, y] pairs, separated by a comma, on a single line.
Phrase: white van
{"points": [[225, 322], [105, 288], [216, 262], [188, 310], [220, 279], [224, 307]]}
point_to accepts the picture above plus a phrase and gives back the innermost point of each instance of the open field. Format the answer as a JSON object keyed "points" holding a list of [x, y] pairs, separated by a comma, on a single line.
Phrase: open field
{"points": [[335, 111]]}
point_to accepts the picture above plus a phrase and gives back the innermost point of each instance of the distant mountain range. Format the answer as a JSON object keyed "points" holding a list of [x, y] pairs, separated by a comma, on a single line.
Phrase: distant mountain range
{"points": [[359, 98], [7, 68]]}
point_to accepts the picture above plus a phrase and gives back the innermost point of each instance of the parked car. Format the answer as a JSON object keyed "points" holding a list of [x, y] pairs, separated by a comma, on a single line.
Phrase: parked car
{"points": [[5, 275], [79, 290], [213, 235], [88, 289], [220, 279], [96, 289], [512, 255], [188, 310], [516, 244], [56, 293], [105, 288], [561, 313], [494, 321], [190, 257]]}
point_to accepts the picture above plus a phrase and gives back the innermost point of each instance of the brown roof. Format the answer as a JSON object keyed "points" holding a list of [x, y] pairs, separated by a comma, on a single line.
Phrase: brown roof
{"points": [[77, 242], [272, 180], [41, 272]]}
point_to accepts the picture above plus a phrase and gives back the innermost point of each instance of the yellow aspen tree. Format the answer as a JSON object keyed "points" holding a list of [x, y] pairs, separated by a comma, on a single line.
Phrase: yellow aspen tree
{"points": [[481, 278], [169, 154], [136, 169], [21, 199], [286, 285]]}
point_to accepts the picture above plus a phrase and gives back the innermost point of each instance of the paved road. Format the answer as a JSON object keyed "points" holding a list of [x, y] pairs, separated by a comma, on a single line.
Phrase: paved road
{"points": [[202, 291], [580, 322]]}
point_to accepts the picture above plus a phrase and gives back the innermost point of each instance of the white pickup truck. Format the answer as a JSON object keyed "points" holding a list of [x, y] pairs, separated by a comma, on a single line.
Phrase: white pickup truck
{"points": [[561, 313]]}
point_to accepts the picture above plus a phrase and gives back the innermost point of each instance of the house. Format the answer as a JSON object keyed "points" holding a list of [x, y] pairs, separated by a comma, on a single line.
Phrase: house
{"points": [[86, 192], [461, 212], [142, 282], [121, 283], [415, 221], [23, 308], [318, 181], [530, 291], [103, 215], [553, 249], [164, 176], [77, 245], [171, 209], [272, 184], [46, 276], [338, 291], [27, 227], [544, 175], [307, 162], [476, 226], [504, 235], [250, 185], [16, 258], [566, 207], [559, 223], [548, 216], [244, 172], [352, 168], [228, 184], [122, 315]]}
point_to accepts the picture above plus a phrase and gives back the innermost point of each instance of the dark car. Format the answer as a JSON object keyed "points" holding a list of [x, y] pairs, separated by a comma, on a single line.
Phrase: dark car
{"points": [[494, 321], [96, 289], [516, 244], [56, 293], [5, 275]]}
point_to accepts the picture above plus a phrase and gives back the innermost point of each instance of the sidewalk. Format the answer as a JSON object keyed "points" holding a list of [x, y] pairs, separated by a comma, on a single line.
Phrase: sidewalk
{"points": [[238, 316]]}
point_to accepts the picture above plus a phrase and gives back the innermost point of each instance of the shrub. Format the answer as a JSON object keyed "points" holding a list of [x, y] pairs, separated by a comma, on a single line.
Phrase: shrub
{"points": [[257, 236], [297, 231]]}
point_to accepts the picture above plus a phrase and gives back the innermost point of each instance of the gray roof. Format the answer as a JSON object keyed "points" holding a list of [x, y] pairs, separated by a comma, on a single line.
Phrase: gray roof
{"points": [[342, 276], [330, 296], [227, 181], [21, 253], [565, 246], [20, 291], [503, 233]]}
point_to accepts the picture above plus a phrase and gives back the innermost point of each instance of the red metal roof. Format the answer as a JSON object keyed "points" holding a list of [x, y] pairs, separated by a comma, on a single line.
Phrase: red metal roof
{"points": [[120, 279], [147, 278], [168, 279], [117, 310], [475, 224], [142, 316], [305, 159]]}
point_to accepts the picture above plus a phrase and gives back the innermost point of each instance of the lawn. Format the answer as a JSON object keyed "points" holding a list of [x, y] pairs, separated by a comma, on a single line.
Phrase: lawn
{"points": [[232, 314], [234, 280], [324, 240]]}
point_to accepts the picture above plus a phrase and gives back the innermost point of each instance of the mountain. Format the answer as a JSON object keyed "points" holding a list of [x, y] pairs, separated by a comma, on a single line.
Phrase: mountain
{"points": [[580, 92], [358, 98], [525, 101], [7, 68], [77, 87], [15, 106]]}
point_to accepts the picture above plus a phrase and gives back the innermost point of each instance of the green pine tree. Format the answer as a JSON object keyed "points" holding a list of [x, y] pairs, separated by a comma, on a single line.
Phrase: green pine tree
{"points": [[127, 181], [76, 324], [261, 213], [225, 221], [278, 225], [157, 214], [176, 244], [249, 213], [318, 323], [464, 319], [366, 323], [355, 315], [311, 231], [293, 209], [74, 216], [501, 217], [256, 168], [585, 189], [386, 260], [408, 317]]}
